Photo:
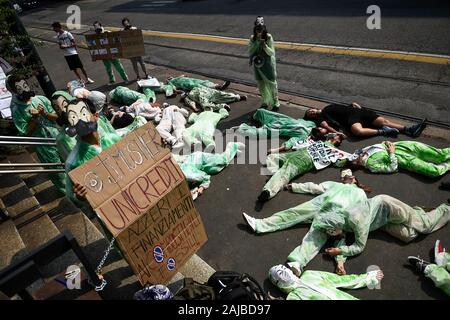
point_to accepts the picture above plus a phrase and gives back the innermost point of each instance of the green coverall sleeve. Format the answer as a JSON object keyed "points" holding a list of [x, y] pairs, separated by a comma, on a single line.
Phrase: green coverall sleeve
{"points": [[224, 113], [309, 187], [352, 281], [337, 244], [268, 46], [21, 121], [192, 118], [387, 164], [361, 235], [313, 241], [291, 142], [253, 47]]}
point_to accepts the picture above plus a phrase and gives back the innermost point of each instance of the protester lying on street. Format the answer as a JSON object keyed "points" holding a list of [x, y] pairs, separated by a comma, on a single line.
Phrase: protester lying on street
{"points": [[263, 60], [109, 63], [438, 272], [309, 156], [135, 60], [33, 116], [274, 123], [412, 156], [210, 99], [124, 122], [203, 127], [172, 125], [199, 166], [321, 285], [150, 111], [182, 83], [360, 121], [66, 42], [316, 134], [342, 207], [126, 96]]}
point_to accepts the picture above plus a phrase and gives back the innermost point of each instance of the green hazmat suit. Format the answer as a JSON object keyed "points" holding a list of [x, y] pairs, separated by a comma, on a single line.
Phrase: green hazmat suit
{"points": [[439, 272], [203, 128], [265, 74], [185, 84], [44, 129], [82, 153], [287, 166], [126, 96], [412, 156], [137, 123], [333, 197], [109, 64], [319, 285], [210, 99], [199, 166], [283, 125]]}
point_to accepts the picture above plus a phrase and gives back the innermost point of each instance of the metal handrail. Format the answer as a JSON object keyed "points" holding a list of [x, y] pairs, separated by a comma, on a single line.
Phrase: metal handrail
{"points": [[34, 164], [27, 143], [17, 138], [32, 171]]}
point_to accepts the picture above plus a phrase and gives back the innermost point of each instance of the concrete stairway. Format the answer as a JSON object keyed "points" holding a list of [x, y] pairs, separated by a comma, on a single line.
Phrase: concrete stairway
{"points": [[38, 213]]}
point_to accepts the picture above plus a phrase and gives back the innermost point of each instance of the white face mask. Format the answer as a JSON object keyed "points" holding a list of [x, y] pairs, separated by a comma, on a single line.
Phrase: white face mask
{"points": [[22, 86], [282, 277], [61, 103], [78, 112]]}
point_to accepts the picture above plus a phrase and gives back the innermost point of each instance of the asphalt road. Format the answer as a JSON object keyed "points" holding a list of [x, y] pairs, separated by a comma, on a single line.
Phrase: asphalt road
{"points": [[404, 87], [233, 191]]}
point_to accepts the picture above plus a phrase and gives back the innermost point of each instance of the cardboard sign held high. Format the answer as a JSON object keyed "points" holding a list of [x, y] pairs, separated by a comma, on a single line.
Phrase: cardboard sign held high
{"points": [[142, 197]]}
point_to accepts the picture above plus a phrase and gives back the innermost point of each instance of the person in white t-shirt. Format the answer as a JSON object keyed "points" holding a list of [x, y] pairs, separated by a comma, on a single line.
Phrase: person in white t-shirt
{"points": [[67, 43], [135, 60]]}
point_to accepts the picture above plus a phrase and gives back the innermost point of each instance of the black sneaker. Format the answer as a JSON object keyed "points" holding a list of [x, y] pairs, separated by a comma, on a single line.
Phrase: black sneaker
{"points": [[418, 263], [225, 85], [264, 196], [416, 129], [445, 185]]}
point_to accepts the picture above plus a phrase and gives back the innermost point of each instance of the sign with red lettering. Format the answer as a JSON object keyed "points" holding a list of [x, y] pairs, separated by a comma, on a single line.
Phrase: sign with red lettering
{"points": [[142, 197]]}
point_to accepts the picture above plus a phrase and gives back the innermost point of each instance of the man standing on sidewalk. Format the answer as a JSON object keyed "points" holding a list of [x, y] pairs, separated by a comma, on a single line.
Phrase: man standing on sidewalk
{"points": [[111, 62], [67, 43], [135, 60]]}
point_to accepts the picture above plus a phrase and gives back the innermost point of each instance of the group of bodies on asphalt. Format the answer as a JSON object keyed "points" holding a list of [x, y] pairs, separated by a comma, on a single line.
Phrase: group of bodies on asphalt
{"points": [[84, 123]]}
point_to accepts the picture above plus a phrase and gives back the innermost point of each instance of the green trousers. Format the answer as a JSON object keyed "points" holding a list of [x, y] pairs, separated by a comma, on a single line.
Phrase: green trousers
{"points": [[291, 165], [119, 68], [423, 159]]}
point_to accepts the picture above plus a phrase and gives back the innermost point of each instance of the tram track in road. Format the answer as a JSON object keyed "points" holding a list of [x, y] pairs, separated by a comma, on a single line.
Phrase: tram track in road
{"points": [[417, 81]]}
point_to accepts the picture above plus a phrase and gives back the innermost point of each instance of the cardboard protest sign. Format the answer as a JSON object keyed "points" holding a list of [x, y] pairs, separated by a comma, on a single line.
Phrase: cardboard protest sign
{"points": [[323, 155], [142, 197], [116, 44]]}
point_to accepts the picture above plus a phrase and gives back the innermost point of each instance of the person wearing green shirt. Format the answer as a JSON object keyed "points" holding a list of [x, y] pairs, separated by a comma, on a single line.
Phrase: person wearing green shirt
{"points": [[34, 116], [412, 156], [210, 99], [321, 285], [263, 60]]}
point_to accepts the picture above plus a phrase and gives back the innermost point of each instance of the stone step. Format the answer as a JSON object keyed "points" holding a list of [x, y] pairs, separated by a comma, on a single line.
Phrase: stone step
{"points": [[12, 247], [38, 232], [20, 201]]}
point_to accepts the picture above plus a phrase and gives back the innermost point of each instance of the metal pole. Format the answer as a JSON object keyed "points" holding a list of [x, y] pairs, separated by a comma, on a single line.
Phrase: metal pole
{"points": [[32, 171], [27, 143], [14, 138], [22, 165]]}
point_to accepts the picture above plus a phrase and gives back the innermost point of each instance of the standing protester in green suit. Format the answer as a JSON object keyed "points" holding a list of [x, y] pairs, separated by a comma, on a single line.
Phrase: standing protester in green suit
{"points": [[262, 58], [34, 116], [413, 156], [109, 63]]}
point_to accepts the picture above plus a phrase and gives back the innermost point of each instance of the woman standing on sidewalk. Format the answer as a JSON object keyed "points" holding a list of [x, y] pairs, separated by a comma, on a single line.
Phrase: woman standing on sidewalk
{"points": [[262, 57]]}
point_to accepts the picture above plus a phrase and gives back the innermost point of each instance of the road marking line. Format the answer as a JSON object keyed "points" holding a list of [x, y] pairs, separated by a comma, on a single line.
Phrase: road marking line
{"points": [[318, 48]]}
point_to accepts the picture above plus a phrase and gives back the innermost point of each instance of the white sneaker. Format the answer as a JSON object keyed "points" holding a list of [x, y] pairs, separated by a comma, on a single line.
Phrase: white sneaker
{"points": [[178, 145], [89, 80], [250, 221]]}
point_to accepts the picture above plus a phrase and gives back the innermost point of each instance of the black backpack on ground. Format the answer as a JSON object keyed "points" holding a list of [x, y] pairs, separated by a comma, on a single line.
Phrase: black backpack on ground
{"points": [[230, 285], [193, 290]]}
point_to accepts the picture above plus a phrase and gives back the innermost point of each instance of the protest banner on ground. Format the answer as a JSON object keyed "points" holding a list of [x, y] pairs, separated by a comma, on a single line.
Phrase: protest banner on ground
{"points": [[116, 44], [142, 197]]}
